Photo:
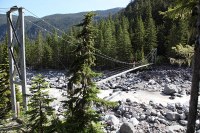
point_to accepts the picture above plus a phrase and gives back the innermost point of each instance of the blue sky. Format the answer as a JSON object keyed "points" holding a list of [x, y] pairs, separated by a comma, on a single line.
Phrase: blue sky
{"points": [[46, 7]]}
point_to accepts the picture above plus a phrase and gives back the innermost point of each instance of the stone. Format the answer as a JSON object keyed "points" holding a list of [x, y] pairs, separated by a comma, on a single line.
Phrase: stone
{"points": [[148, 112], [113, 85], [170, 89], [128, 100], [197, 122], [167, 80], [112, 120], [152, 82], [127, 128], [151, 119], [154, 112], [171, 107], [182, 116], [163, 121], [174, 128], [143, 117], [183, 122], [134, 121], [172, 116]]}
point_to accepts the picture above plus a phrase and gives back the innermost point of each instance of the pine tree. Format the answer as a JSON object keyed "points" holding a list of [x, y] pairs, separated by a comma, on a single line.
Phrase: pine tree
{"points": [[182, 32], [124, 47], [150, 32], [5, 93], [39, 107], [82, 92], [47, 56], [138, 39]]}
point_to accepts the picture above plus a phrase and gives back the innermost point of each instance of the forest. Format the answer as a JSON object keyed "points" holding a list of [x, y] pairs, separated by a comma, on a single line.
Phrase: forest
{"points": [[127, 36]]}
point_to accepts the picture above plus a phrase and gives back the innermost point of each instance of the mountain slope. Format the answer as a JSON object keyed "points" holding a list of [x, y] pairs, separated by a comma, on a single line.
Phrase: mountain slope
{"points": [[61, 21]]}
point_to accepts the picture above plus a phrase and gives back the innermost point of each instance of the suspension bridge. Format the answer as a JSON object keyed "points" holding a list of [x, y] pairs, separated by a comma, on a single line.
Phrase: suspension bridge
{"points": [[16, 35]]}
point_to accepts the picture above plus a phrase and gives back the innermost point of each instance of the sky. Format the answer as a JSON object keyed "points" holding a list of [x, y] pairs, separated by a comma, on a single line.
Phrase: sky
{"points": [[47, 7]]}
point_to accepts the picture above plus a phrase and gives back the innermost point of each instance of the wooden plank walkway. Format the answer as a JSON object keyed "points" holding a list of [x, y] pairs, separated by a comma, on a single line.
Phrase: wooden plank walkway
{"points": [[119, 74]]}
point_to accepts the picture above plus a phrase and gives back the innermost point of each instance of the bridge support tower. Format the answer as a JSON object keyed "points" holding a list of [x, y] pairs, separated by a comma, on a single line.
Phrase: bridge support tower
{"points": [[17, 63]]}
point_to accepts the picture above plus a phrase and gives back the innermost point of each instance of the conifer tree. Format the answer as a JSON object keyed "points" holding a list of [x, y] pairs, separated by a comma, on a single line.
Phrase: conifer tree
{"points": [[5, 93], [138, 39], [150, 32], [124, 47], [39, 107], [82, 91]]}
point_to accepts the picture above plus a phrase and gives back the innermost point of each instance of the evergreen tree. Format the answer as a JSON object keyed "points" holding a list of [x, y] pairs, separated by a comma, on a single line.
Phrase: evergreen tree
{"points": [[184, 9], [5, 93], [82, 92], [183, 32], [138, 40], [39, 107], [124, 47], [150, 32], [47, 56]]}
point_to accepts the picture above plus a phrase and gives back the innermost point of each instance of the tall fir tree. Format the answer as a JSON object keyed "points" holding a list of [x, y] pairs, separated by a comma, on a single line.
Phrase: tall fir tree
{"points": [[150, 32], [5, 93], [40, 111], [138, 39], [124, 47], [82, 91]]}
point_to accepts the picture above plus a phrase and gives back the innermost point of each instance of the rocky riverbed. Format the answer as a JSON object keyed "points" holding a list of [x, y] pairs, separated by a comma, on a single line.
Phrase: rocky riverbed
{"points": [[149, 101]]}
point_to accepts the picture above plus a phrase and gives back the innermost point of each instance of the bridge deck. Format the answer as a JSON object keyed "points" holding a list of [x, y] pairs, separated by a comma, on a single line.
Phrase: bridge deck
{"points": [[119, 74]]}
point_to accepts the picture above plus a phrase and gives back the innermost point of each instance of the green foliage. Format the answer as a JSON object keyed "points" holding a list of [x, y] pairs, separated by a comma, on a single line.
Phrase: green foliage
{"points": [[5, 93], [182, 55], [180, 9], [39, 107], [150, 32], [82, 92], [138, 43]]}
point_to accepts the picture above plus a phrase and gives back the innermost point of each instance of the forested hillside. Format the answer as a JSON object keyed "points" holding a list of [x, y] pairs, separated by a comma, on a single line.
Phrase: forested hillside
{"points": [[127, 36], [61, 21]]}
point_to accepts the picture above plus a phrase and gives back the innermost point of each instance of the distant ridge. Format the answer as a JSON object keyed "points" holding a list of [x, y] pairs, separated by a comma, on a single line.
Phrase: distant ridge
{"points": [[61, 21]]}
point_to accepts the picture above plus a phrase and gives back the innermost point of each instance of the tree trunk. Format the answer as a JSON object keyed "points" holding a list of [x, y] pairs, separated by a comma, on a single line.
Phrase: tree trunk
{"points": [[195, 81]]}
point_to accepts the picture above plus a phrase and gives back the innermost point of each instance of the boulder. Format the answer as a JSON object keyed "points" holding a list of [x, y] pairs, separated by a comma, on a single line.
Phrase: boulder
{"points": [[112, 120], [127, 128], [173, 128], [172, 116], [134, 121], [152, 82], [183, 122], [170, 89]]}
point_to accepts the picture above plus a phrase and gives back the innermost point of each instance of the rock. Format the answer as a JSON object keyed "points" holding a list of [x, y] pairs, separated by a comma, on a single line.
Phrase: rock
{"points": [[167, 80], [128, 100], [163, 121], [142, 117], [183, 122], [134, 121], [171, 107], [170, 89], [182, 116], [127, 128], [172, 129], [153, 112], [148, 112], [151, 119], [152, 82], [172, 116], [112, 120], [198, 131], [197, 122], [113, 85]]}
